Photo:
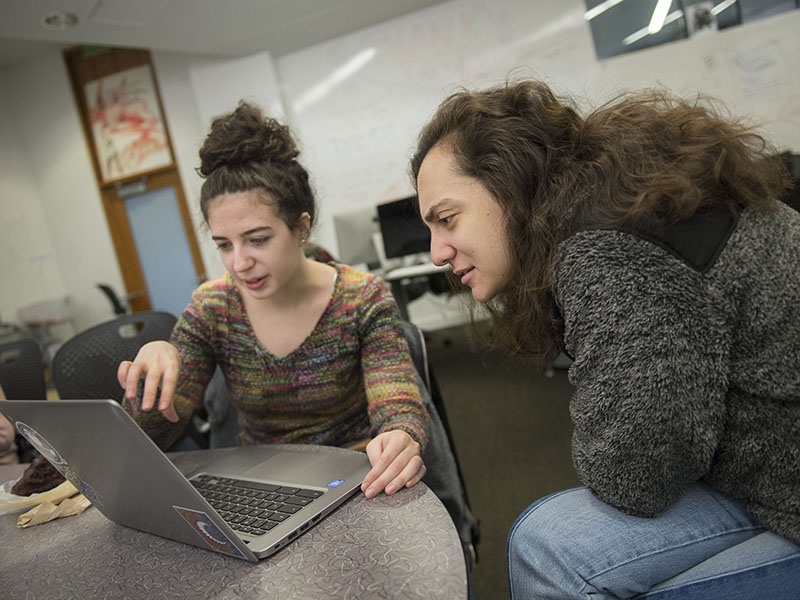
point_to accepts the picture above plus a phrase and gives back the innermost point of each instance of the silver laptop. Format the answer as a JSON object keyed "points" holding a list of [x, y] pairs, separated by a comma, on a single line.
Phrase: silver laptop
{"points": [[248, 503]]}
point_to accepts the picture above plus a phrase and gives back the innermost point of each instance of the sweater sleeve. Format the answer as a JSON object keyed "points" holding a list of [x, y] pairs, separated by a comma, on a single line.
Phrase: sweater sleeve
{"points": [[650, 347], [393, 398], [192, 337]]}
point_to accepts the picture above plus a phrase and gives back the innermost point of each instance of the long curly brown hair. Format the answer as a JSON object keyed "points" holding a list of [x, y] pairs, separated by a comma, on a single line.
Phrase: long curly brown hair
{"points": [[643, 157]]}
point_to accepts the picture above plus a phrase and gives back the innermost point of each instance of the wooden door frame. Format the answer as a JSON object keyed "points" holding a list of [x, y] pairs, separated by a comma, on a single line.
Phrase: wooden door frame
{"points": [[85, 65], [122, 236]]}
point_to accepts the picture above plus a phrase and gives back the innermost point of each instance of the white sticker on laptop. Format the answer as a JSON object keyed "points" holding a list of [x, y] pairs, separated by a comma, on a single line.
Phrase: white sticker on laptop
{"points": [[211, 534], [52, 456], [43, 446]]}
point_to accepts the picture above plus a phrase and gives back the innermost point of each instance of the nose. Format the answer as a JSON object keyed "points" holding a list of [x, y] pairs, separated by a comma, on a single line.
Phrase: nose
{"points": [[442, 253], [241, 259]]}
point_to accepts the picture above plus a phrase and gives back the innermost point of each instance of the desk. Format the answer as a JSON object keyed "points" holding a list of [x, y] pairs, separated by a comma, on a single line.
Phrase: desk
{"points": [[400, 546], [399, 277], [432, 310]]}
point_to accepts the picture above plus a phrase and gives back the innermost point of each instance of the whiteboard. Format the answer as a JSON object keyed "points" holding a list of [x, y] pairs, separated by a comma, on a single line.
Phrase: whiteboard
{"points": [[357, 102]]}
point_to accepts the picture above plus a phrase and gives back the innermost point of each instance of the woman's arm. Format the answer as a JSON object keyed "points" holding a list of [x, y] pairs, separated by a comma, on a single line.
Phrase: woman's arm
{"points": [[650, 353], [398, 418], [181, 368], [393, 397]]}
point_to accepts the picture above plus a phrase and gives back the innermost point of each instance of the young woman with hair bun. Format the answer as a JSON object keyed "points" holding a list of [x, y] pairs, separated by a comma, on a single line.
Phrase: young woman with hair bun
{"points": [[311, 352]]}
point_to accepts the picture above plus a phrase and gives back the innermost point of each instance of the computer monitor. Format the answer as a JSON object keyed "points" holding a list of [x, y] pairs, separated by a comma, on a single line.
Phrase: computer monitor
{"points": [[402, 228], [354, 233]]}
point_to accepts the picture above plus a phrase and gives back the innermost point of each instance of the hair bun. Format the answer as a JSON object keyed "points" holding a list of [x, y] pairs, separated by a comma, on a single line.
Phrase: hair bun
{"points": [[246, 136]]}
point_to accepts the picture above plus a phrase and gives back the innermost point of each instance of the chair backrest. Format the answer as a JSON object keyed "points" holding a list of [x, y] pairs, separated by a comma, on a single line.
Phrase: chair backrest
{"points": [[418, 350], [85, 366], [116, 303], [22, 370], [443, 473]]}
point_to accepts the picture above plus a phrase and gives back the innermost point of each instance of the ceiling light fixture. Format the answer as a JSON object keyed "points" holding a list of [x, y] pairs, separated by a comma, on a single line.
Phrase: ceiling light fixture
{"points": [[636, 36], [600, 9], [674, 16], [659, 15], [722, 6], [59, 20]]}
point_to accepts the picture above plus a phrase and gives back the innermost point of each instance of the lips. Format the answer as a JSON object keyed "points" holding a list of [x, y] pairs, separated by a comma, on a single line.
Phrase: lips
{"points": [[465, 275], [255, 283]]}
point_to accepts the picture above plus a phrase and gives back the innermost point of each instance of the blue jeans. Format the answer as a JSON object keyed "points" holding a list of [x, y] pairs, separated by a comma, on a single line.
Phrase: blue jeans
{"points": [[705, 546]]}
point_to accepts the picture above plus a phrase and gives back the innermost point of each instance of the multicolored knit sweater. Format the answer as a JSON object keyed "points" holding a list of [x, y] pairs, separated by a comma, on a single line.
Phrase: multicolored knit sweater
{"points": [[351, 378]]}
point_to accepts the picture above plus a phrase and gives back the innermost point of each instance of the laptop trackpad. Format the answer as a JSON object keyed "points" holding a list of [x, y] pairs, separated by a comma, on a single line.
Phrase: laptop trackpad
{"points": [[284, 466]]}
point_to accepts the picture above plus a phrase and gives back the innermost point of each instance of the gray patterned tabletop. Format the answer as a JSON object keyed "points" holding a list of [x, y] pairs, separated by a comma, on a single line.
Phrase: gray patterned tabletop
{"points": [[400, 546]]}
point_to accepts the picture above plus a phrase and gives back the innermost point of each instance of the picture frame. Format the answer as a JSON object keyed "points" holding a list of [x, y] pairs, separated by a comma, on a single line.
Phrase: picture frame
{"points": [[127, 126]]}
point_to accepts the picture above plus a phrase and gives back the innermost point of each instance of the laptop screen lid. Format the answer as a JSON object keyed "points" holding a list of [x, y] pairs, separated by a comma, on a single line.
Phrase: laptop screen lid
{"points": [[106, 455]]}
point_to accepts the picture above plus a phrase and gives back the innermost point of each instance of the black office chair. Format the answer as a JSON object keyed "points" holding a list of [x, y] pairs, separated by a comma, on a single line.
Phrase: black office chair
{"points": [[85, 366], [22, 370], [116, 304], [22, 378], [443, 473]]}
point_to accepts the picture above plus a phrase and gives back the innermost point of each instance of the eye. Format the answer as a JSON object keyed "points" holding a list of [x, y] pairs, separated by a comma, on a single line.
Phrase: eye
{"points": [[259, 241], [221, 246], [445, 220]]}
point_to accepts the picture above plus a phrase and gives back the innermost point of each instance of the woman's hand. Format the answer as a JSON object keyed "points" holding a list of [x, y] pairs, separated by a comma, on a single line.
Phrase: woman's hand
{"points": [[160, 364], [396, 462]]}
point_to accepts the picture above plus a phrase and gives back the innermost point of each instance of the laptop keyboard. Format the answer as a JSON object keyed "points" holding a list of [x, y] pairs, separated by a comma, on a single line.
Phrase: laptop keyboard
{"points": [[252, 507]]}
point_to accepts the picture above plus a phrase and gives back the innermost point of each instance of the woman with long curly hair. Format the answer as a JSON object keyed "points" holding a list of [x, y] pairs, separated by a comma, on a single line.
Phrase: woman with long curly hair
{"points": [[645, 241]]}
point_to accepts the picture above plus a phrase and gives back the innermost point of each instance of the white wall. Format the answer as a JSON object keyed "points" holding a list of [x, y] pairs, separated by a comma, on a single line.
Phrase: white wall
{"points": [[26, 251], [356, 104], [62, 242]]}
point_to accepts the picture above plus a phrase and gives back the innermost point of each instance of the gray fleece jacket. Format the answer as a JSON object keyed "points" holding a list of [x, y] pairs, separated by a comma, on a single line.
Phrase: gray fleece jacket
{"points": [[686, 348]]}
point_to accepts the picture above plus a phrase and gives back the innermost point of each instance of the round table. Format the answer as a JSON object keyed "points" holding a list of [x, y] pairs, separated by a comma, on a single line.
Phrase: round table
{"points": [[399, 546]]}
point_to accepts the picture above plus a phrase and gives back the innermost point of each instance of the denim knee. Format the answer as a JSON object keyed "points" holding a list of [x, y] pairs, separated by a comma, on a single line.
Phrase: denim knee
{"points": [[571, 544], [542, 523], [538, 545]]}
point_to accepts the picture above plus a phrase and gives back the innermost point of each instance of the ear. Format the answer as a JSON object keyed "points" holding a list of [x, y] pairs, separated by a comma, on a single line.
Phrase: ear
{"points": [[304, 227]]}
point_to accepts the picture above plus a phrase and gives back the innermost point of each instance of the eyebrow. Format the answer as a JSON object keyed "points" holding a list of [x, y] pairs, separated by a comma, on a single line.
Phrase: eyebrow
{"points": [[265, 228], [429, 216]]}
